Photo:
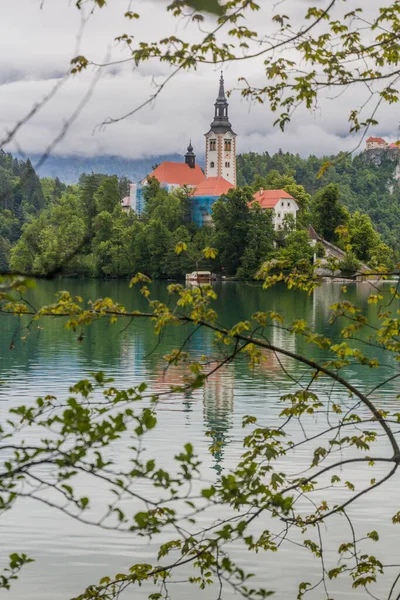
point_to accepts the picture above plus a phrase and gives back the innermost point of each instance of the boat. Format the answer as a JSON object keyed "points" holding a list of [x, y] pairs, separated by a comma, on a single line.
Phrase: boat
{"points": [[200, 277]]}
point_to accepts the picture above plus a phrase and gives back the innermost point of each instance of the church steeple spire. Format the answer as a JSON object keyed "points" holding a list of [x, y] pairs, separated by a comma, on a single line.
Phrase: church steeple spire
{"points": [[190, 157], [221, 94], [221, 141], [221, 121]]}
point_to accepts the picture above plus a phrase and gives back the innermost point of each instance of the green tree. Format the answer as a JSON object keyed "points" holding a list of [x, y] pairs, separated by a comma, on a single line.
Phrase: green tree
{"points": [[362, 236], [297, 249], [112, 245], [177, 265], [52, 239], [4, 254], [52, 189], [231, 216], [350, 265], [153, 196], [124, 186], [10, 226], [29, 190], [328, 213], [107, 197], [259, 242], [88, 187]]}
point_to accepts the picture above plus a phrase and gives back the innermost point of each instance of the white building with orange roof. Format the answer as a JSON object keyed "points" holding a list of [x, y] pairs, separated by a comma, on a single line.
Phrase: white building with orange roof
{"points": [[280, 202], [172, 175]]}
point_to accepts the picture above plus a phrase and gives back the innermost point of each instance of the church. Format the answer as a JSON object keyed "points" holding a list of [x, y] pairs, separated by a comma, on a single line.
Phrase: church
{"points": [[218, 177]]}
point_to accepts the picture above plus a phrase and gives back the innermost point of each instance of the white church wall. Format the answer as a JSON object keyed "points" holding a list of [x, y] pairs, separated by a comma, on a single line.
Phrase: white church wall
{"points": [[221, 156], [211, 166], [283, 208]]}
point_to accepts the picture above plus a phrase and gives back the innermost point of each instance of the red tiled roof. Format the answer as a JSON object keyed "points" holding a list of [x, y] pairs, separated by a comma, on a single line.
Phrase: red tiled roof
{"points": [[213, 186], [376, 139], [395, 145], [269, 198], [177, 173]]}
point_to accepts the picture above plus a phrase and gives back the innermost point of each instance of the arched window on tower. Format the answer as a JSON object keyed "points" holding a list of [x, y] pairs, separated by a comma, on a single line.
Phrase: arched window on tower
{"points": [[213, 144], [212, 165], [227, 145]]}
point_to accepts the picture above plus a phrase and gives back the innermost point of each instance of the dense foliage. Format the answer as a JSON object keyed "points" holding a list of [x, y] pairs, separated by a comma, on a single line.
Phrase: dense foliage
{"points": [[368, 182], [83, 230], [22, 197]]}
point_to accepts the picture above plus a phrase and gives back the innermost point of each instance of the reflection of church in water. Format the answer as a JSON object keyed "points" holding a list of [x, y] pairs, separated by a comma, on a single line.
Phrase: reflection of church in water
{"points": [[218, 404]]}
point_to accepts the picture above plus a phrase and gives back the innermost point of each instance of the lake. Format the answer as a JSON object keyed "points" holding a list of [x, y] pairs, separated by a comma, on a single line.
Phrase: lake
{"points": [[69, 555]]}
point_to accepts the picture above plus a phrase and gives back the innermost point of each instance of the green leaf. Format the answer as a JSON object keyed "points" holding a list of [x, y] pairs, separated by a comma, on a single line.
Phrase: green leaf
{"points": [[181, 247], [208, 493], [210, 6]]}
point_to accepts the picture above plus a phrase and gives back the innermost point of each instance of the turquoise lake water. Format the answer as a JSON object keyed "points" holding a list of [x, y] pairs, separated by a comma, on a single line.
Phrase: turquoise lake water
{"points": [[69, 555]]}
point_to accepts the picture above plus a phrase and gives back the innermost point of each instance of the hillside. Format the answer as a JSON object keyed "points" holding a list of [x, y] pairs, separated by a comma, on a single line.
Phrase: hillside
{"points": [[368, 182], [22, 197], [69, 168]]}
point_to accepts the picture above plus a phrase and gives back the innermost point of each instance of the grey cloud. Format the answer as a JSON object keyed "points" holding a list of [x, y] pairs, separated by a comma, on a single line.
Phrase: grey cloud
{"points": [[36, 47]]}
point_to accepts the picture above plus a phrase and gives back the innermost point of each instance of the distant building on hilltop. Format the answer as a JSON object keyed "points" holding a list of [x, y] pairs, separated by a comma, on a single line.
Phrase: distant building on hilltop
{"points": [[375, 142], [378, 143], [282, 204], [220, 168]]}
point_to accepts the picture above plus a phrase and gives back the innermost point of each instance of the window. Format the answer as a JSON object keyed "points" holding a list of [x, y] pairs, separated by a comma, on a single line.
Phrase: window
{"points": [[212, 164], [279, 215], [227, 145], [282, 204], [213, 144], [227, 165], [288, 204]]}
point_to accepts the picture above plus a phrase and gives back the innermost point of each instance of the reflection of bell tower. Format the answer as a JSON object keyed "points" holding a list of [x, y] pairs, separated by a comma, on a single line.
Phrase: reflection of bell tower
{"points": [[221, 141], [218, 409]]}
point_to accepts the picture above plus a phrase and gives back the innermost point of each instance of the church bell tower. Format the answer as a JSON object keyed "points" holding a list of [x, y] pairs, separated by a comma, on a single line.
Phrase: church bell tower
{"points": [[190, 157], [221, 141]]}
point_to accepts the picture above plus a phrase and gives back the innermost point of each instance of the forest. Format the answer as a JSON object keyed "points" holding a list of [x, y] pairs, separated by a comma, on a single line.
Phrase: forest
{"points": [[81, 230], [365, 185]]}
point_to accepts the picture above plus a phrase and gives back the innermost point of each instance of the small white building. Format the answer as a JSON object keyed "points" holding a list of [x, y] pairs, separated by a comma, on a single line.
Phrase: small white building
{"points": [[280, 202]]}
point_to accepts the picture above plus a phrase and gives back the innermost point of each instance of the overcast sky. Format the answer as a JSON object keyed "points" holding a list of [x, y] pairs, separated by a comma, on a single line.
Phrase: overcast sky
{"points": [[36, 45]]}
